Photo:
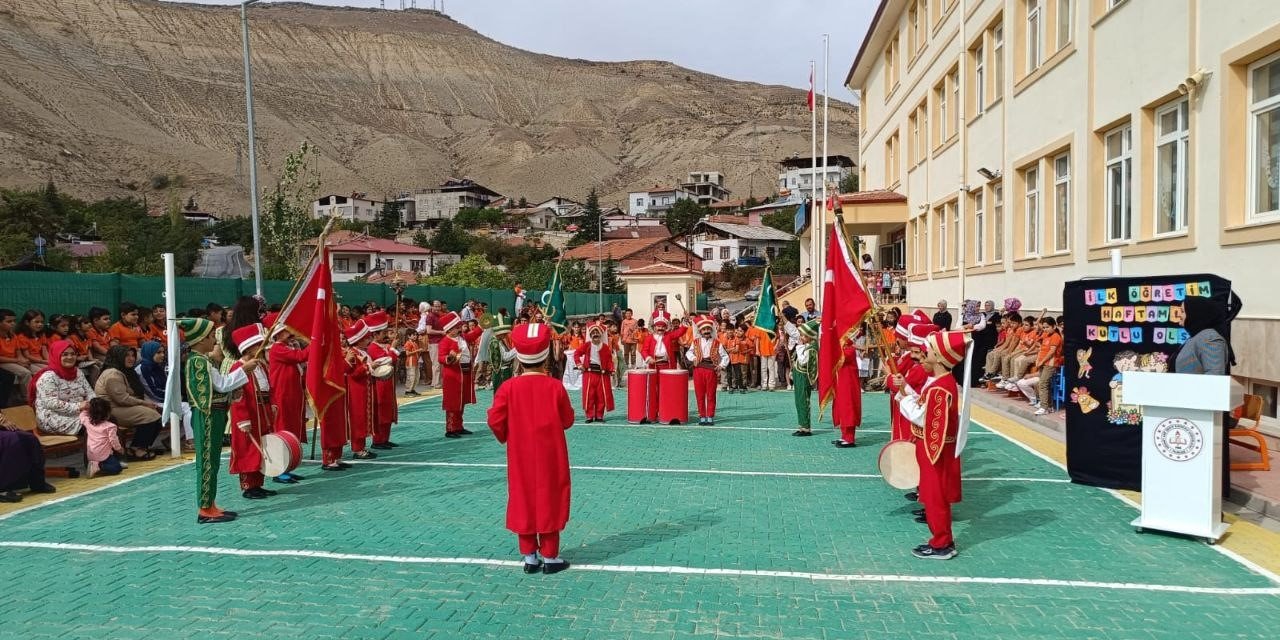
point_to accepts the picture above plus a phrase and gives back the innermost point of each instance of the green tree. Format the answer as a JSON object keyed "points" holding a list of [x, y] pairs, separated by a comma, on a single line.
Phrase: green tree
{"points": [[25, 214], [849, 183], [450, 239], [471, 271], [237, 231], [783, 220], [787, 261], [476, 218], [609, 277], [523, 203], [388, 221], [575, 274], [684, 217], [421, 239], [135, 240], [592, 226], [286, 222]]}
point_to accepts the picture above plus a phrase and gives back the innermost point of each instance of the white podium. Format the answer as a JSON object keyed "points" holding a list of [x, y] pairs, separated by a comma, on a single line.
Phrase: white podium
{"points": [[1182, 440]]}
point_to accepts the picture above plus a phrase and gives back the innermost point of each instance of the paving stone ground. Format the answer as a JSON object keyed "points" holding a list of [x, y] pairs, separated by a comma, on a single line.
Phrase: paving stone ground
{"points": [[413, 547]]}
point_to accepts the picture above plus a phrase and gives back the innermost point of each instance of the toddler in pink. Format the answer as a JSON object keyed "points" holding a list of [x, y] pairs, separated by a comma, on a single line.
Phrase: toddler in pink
{"points": [[103, 445]]}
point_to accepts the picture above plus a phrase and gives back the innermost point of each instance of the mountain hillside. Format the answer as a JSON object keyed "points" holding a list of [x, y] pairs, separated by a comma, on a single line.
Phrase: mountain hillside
{"points": [[102, 95]]}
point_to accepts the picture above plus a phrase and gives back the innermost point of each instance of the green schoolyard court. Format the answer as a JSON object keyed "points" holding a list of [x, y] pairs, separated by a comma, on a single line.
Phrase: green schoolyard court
{"points": [[737, 530]]}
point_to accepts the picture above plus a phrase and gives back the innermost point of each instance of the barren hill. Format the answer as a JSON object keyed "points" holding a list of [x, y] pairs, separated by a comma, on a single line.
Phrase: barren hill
{"points": [[99, 94]]}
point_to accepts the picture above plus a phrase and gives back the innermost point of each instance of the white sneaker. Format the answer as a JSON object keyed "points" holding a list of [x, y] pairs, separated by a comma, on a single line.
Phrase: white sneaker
{"points": [[1042, 411]]}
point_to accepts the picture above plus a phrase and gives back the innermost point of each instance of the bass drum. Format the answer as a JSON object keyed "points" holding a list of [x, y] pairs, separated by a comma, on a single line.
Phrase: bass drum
{"points": [[898, 465], [281, 453]]}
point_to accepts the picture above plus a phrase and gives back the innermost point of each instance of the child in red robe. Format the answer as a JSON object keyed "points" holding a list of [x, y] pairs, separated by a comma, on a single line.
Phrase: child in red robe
{"points": [[935, 424], [383, 352], [359, 390], [708, 358], [457, 358], [285, 375], [252, 416], [538, 483], [595, 359], [846, 406]]}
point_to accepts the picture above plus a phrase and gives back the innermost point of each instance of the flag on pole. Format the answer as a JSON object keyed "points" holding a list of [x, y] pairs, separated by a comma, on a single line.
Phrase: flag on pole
{"points": [[810, 100], [313, 312], [553, 302], [845, 300], [766, 314]]}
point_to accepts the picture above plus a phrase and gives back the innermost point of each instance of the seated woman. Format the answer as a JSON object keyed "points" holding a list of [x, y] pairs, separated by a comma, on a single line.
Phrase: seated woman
{"points": [[21, 462], [60, 392], [122, 387], [154, 374]]}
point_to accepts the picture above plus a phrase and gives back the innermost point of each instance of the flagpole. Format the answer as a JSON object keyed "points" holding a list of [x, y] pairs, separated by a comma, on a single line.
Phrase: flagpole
{"points": [[814, 232], [826, 64]]}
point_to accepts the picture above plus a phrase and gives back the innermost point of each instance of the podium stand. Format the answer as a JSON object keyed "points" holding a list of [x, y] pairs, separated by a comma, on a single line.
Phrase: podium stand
{"points": [[1182, 440]]}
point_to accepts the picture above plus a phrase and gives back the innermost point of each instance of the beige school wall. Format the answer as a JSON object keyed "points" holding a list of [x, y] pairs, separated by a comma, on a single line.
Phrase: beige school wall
{"points": [[1115, 67]]}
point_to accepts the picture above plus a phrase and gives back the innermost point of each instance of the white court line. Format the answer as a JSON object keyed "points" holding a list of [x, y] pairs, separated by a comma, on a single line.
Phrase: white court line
{"points": [[694, 427], [1247, 563], [649, 569], [775, 474], [81, 494]]}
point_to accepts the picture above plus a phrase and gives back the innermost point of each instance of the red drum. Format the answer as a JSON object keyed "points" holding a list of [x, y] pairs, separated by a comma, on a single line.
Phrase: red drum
{"points": [[642, 396], [281, 453], [673, 396]]}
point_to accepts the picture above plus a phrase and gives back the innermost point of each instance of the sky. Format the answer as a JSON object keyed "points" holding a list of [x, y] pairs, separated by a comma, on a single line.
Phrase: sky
{"points": [[766, 41]]}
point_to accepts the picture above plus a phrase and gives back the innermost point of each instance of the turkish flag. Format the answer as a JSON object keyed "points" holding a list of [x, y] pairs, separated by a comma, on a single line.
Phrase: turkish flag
{"points": [[845, 301], [313, 312], [809, 100]]}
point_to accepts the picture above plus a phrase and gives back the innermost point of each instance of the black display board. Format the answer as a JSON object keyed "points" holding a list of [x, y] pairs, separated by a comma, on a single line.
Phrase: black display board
{"points": [[1113, 325]]}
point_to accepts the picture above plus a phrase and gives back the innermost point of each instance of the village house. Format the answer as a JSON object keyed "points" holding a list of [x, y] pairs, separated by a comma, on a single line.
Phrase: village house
{"points": [[656, 201], [356, 207], [632, 253], [443, 203], [719, 243], [707, 187], [354, 255]]}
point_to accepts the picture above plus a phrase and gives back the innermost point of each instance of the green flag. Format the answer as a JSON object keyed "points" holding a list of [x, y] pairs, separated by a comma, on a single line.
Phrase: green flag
{"points": [[766, 315], [553, 302]]}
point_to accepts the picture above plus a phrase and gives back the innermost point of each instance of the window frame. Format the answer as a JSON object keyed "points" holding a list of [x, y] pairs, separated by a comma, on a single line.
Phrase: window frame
{"points": [[1065, 25], [1062, 203], [1035, 34], [1124, 161], [997, 57], [957, 110], [955, 232], [979, 78], [979, 227], [1181, 140], [1256, 109], [941, 214], [997, 222], [1032, 211]]}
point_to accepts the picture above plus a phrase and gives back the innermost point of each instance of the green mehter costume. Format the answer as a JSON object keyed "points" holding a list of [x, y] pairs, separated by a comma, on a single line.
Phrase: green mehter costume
{"points": [[207, 389], [501, 358], [804, 370]]}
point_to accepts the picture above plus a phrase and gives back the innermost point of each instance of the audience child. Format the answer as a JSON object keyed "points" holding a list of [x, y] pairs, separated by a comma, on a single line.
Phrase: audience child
{"points": [[102, 445], [126, 330], [32, 342]]}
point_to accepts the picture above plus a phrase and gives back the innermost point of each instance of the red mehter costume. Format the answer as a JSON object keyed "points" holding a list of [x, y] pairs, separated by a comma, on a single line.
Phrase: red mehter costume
{"points": [[708, 357], [287, 394], [846, 405], [538, 482], [252, 415], [359, 388], [596, 363], [456, 357], [935, 418]]}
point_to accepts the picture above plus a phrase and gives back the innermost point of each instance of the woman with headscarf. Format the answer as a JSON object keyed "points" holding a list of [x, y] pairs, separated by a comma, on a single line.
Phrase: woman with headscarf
{"points": [[122, 387], [1207, 352], [60, 392], [986, 332], [154, 372]]}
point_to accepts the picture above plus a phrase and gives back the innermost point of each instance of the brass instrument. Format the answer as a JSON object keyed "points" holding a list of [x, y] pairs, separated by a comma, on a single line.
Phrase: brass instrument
{"points": [[487, 320]]}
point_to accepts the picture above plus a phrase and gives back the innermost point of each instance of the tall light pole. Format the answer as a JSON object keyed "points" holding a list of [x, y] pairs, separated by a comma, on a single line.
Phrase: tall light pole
{"points": [[253, 156]]}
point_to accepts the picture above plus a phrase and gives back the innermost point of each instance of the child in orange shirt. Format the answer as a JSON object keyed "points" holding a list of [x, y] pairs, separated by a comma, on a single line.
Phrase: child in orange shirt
{"points": [[32, 343], [412, 351], [739, 353], [126, 331], [1035, 384]]}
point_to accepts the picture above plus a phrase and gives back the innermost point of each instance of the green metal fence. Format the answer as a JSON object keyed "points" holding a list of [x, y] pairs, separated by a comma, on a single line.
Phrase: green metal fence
{"points": [[77, 292]]}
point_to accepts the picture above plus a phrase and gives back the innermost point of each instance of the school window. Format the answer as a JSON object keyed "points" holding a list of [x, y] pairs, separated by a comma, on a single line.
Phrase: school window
{"points": [[1062, 202], [979, 81], [1064, 23], [979, 227], [1031, 212], [724, 253], [913, 30], [997, 222], [1119, 208], [940, 118], [891, 66], [913, 134], [954, 79], [1171, 168], [955, 233], [1264, 139], [919, 248], [997, 62], [706, 254], [941, 214], [1035, 35]]}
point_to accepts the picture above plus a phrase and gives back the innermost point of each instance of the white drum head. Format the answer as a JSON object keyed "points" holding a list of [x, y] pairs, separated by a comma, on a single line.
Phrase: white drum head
{"points": [[898, 465]]}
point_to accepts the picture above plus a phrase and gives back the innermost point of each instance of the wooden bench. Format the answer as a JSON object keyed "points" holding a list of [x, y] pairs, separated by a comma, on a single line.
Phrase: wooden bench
{"points": [[55, 446]]}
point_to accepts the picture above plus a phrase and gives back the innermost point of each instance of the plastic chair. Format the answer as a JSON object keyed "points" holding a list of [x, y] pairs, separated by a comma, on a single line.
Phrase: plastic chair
{"points": [[1250, 410], [1059, 389]]}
